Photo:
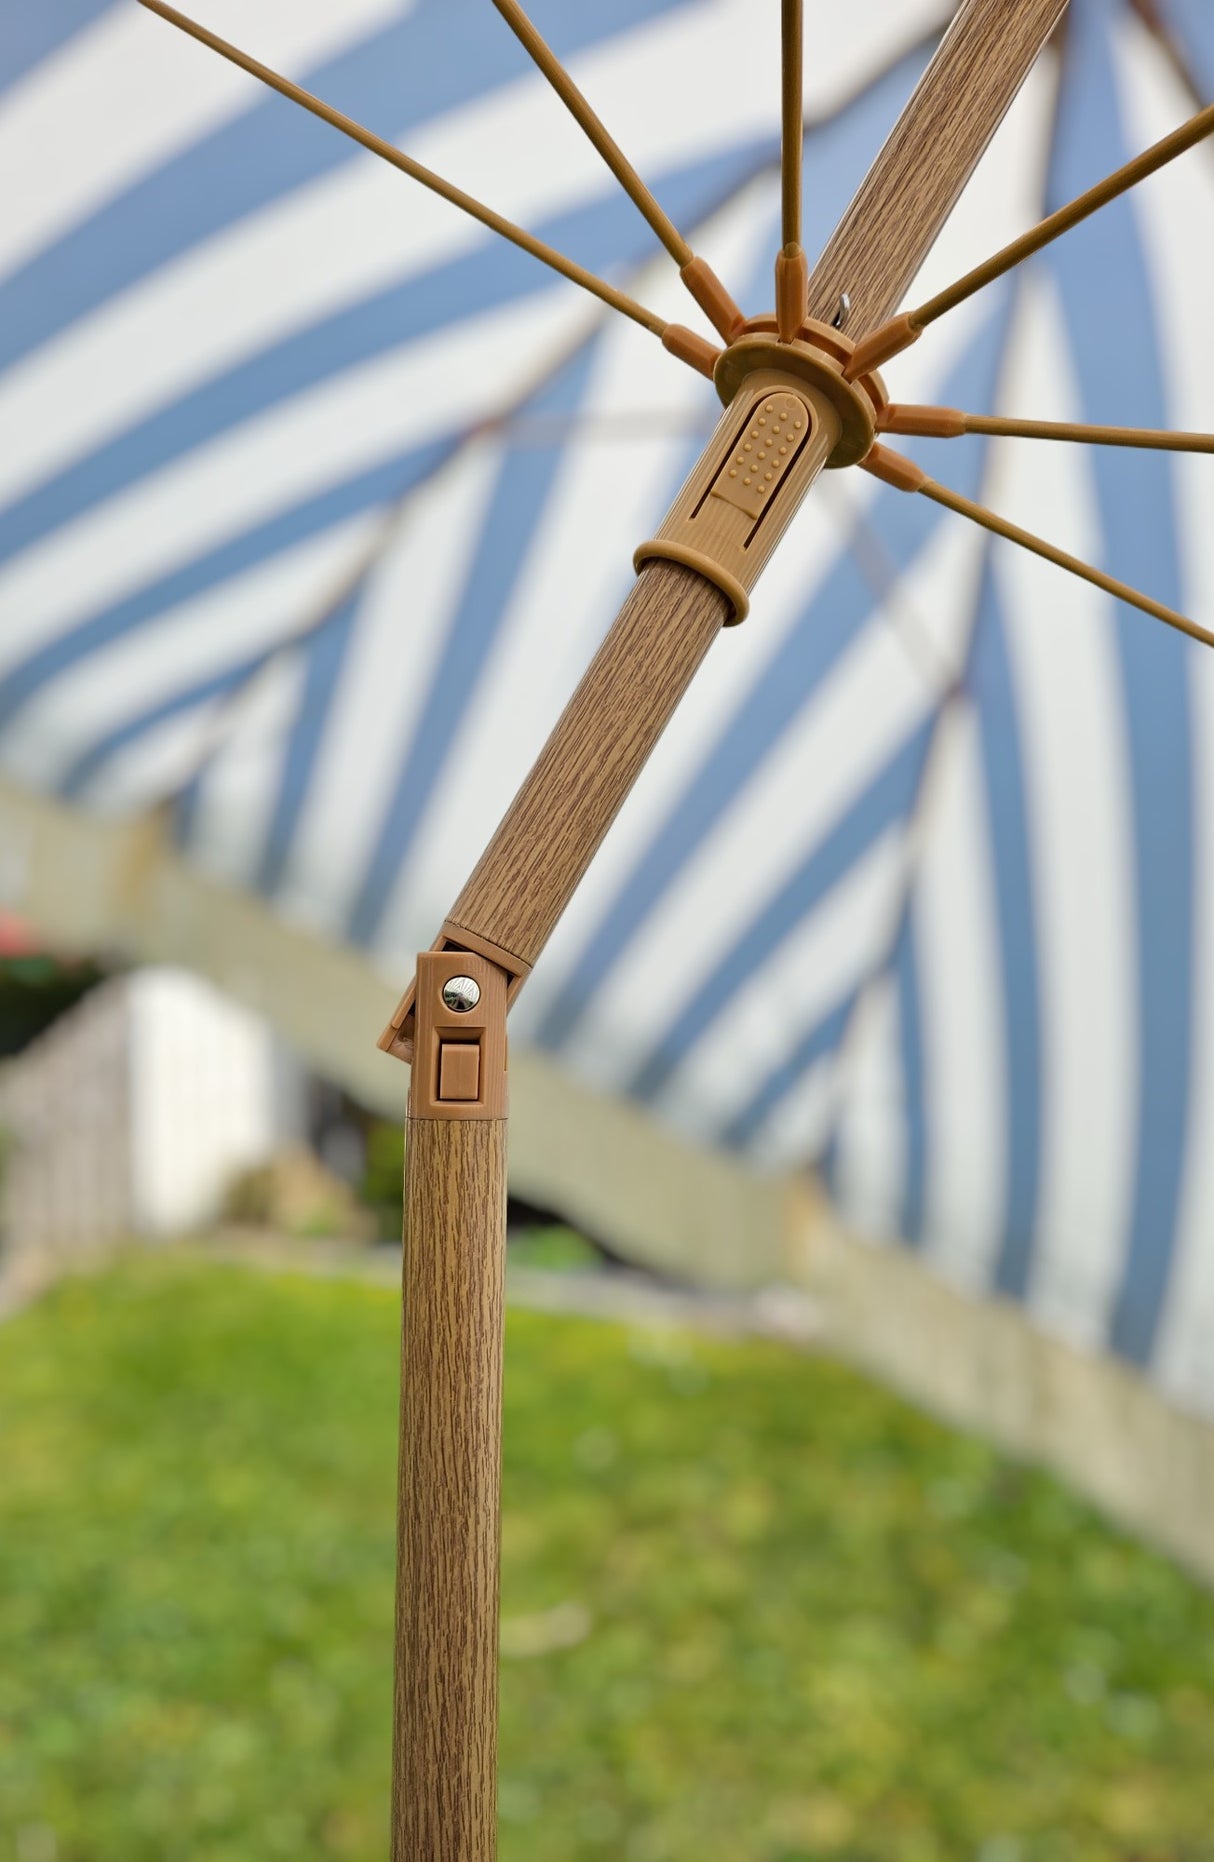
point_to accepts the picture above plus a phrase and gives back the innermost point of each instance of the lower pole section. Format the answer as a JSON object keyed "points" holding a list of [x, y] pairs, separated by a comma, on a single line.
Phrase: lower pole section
{"points": [[445, 1748]]}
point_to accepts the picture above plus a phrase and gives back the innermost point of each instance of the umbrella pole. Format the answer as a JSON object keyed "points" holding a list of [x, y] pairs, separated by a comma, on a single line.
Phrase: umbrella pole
{"points": [[693, 580], [444, 1795]]}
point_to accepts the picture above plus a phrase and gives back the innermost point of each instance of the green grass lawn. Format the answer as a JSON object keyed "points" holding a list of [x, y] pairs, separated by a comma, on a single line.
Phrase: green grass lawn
{"points": [[755, 1610]]}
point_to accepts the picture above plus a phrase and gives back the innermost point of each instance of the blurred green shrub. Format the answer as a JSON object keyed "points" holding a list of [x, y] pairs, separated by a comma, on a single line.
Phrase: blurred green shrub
{"points": [[559, 1249], [383, 1178], [35, 990], [294, 1194], [754, 1609]]}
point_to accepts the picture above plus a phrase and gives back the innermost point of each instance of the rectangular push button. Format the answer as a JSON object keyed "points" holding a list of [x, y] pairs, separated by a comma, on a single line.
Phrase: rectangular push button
{"points": [[459, 1071], [766, 450]]}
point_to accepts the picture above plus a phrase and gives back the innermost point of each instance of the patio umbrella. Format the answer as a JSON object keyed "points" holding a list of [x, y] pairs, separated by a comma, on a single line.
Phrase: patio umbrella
{"points": [[317, 501]]}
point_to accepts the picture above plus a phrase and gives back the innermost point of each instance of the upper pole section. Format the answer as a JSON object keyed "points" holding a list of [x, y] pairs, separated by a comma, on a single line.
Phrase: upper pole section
{"points": [[548, 836], [916, 180]]}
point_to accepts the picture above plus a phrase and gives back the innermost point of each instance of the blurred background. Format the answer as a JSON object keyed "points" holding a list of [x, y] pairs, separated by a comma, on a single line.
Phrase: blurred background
{"points": [[859, 1460]]}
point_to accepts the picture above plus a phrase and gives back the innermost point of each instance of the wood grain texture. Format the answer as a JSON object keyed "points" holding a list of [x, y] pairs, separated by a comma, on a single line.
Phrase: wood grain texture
{"points": [[599, 746], [444, 1793], [916, 180]]}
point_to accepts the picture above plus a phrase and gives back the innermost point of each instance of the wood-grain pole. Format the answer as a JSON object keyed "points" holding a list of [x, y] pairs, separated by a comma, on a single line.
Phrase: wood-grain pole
{"points": [[445, 1747], [599, 746], [443, 1808], [937, 142], [444, 1796], [549, 835]]}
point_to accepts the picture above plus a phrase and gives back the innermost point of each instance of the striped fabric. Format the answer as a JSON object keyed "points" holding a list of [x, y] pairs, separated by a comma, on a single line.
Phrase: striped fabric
{"points": [[315, 501]]}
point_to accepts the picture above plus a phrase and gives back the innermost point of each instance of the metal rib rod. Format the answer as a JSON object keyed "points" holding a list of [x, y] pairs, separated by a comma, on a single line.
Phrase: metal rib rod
{"points": [[949, 423], [895, 469], [538, 249], [546, 61], [978, 514], [792, 266], [901, 331], [791, 21], [702, 282]]}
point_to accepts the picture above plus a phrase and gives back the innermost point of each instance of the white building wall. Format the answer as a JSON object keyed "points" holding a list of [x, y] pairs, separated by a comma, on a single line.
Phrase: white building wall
{"points": [[132, 1113], [203, 1098]]}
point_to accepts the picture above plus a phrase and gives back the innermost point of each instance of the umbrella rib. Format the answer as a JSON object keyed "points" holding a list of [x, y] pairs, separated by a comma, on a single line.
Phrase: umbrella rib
{"points": [[949, 423], [901, 331], [792, 266], [683, 343], [1171, 47], [386, 533], [894, 469], [697, 275], [498, 422], [791, 59], [591, 125]]}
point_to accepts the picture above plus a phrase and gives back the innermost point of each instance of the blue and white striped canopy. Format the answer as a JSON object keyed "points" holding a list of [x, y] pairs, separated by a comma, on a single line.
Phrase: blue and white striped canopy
{"points": [[315, 501]]}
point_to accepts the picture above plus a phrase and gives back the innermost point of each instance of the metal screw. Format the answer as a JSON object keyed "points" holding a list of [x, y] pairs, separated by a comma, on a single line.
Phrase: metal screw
{"points": [[844, 311], [461, 993]]}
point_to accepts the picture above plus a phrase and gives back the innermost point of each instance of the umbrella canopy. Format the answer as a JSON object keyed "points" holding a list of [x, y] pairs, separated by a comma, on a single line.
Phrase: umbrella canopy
{"points": [[315, 500]]}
